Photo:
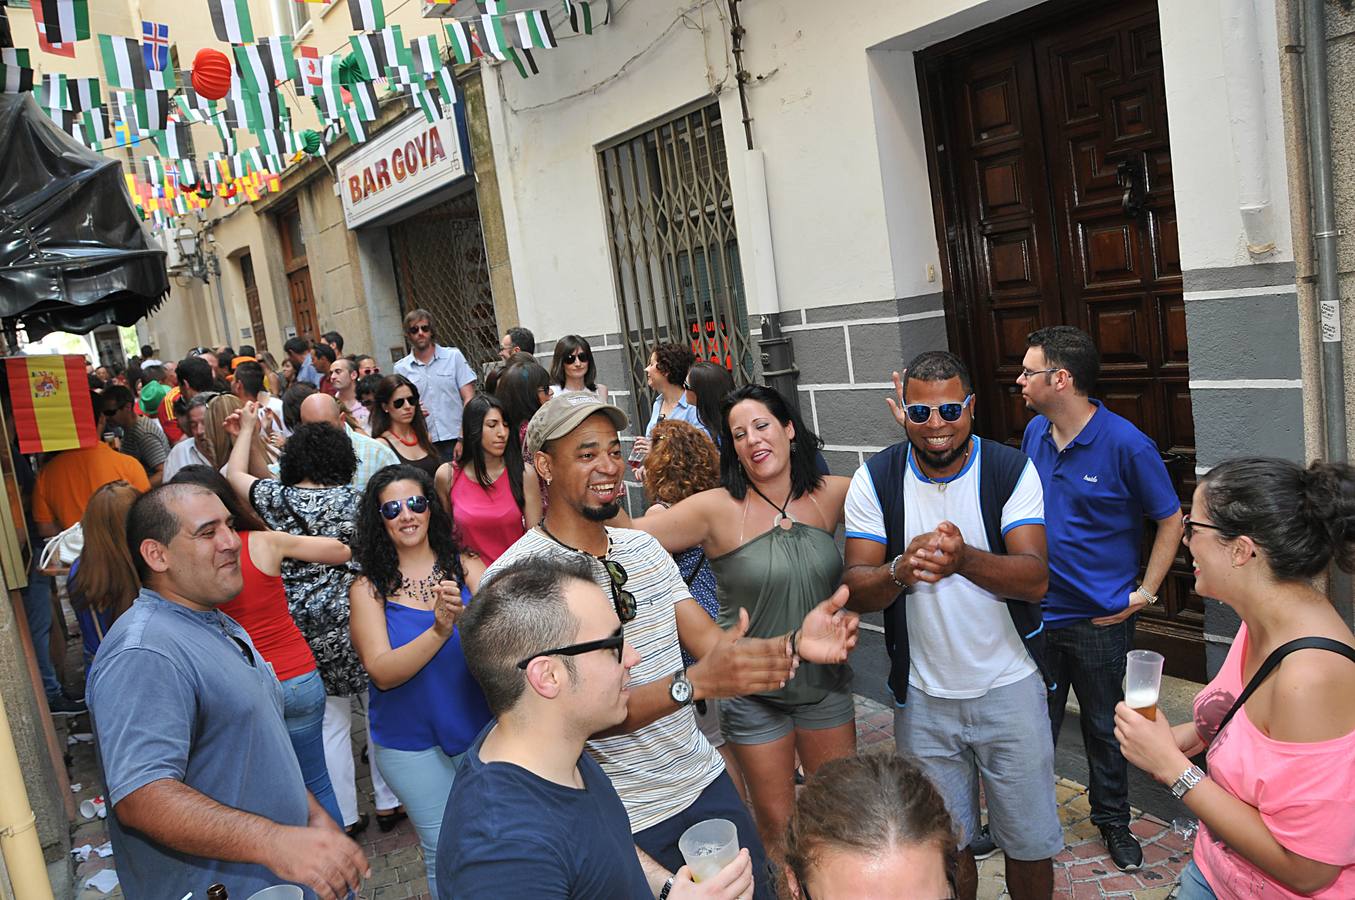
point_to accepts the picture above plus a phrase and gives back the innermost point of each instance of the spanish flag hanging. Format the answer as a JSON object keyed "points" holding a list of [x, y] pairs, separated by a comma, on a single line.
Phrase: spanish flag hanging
{"points": [[52, 407]]}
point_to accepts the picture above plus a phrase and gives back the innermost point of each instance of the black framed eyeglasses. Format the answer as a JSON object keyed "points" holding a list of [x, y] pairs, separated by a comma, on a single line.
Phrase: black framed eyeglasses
{"points": [[580, 356], [418, 504], [1188, 526], [1028, 374], [615, 641], [622, 599], [921, 413]]}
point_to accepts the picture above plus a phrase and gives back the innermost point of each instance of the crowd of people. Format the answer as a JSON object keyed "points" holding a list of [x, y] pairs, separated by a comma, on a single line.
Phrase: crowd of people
{"points": [[553, 692]]}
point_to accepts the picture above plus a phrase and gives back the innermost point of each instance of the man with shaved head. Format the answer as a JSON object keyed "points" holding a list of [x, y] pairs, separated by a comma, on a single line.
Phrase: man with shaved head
{"points": [[373, 456], [202, 779]]}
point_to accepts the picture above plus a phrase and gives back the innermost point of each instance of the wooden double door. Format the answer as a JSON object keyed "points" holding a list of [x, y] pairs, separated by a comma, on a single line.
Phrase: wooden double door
{"points": [[1052, 185]]}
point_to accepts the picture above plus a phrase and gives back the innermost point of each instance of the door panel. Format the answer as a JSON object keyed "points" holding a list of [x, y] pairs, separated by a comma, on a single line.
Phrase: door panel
{"points": [[1052, 173]]}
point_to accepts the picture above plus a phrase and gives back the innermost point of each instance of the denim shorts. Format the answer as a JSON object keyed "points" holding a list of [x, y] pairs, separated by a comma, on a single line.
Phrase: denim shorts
{"points": [[1003, 735], [750, 720]]}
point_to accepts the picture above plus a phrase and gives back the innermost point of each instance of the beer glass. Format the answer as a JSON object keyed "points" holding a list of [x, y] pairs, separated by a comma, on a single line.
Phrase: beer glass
{"points": [[709, 846], [1143, 681]]}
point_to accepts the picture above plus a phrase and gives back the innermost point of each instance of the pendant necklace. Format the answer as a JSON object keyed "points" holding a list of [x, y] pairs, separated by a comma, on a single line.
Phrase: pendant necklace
{"points": [[783, 518]]}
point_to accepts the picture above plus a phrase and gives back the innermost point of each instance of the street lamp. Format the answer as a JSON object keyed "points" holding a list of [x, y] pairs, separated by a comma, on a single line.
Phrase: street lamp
{"points": [[196, 263]]}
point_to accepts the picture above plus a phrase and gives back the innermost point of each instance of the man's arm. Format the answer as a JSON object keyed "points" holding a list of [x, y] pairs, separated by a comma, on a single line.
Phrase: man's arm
{"points": [[1165, 544], [1022, 573], [176, 816], [467, 392]]}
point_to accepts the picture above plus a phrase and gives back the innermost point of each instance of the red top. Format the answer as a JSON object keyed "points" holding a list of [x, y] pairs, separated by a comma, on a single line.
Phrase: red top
{"points": [[488, 520], [261, 609]]}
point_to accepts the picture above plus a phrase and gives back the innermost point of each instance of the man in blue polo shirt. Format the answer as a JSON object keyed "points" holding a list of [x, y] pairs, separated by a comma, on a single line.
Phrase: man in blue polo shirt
{"points": [[1102, 477]]}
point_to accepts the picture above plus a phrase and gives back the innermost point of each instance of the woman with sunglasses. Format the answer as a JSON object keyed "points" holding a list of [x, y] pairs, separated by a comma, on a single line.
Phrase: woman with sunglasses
{"points": [[573, 368], [261, 609], [492, 496], [1277, 723], [398, 420], [768, 536], [425, 706], [870, 826]]}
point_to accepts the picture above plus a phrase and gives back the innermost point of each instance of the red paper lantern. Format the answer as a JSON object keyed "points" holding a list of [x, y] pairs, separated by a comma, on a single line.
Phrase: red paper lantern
{"points": [[211, 74]]}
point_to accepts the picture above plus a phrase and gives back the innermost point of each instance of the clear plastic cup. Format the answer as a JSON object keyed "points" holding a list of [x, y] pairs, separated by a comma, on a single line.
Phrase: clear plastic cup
{"points": [[1143, 681], [709, 846], [279, 892]]}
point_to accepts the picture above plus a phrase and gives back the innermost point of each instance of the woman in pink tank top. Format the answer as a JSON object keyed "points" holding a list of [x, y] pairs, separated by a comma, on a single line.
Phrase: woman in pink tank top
{"points": [[1277, 809], [492, 495]]}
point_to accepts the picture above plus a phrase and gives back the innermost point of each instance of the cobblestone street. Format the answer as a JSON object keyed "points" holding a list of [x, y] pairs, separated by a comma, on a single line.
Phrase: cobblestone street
{"points": [[1083, 871]]}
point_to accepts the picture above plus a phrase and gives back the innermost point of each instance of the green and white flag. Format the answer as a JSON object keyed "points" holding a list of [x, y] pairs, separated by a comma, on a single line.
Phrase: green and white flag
{"points": [[584, 14], [84, 93], [230, 21], [447, 87], [16, 72], [462, 41], [152, 110], [375, 52], [534, 29], [364, 103], [423, 52], [186, 172], [492, 39], [523, 60], [94, 126], [426, 102], [53, 93], [367, 15], [174, 141], [155, 170], [266, 63], [188, 111], [64, 21], [124, 64]]}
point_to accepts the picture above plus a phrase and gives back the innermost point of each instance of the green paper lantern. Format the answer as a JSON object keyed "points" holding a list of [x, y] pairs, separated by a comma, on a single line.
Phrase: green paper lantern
{"points": [[350, 71], [310, 142]]}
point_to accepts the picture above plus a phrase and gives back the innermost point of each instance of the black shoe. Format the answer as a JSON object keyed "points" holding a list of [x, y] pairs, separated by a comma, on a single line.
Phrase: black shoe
{"points": [[388, 821], [358, 827], [1124, 848], [61, 705], [983, 845]]}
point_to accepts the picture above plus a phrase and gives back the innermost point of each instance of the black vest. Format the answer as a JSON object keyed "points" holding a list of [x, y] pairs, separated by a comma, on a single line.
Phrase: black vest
{"points": [[1000, 469]]}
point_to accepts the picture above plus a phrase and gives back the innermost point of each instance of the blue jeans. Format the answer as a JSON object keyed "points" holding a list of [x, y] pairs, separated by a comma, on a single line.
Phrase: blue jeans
{"points": [[1091, 659], [38, 610], [1193, 886], [422, 779], [303, 708]]}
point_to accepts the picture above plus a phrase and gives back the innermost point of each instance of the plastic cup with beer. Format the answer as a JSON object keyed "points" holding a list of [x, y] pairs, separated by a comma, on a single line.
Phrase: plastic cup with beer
{"points": [[709, 846], [1143, 681]]}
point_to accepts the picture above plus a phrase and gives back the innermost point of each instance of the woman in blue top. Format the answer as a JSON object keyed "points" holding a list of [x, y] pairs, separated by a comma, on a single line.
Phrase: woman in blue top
{"points": [[425, 707]]}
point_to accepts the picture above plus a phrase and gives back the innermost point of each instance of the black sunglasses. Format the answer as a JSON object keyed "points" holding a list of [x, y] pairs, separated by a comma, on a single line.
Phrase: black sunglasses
{"points": [[416, 329], [399, 402], [1188, 527], [615, 641], [623, 600], [921, 413], [580, 356], [418, 504]]}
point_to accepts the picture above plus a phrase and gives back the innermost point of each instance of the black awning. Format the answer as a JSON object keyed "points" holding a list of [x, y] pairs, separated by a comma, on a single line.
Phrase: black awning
{"points": [[73, 253]]}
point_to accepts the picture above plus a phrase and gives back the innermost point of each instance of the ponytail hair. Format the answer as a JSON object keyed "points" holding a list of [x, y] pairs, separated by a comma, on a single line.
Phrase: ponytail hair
{"points": [[1302, 519]]}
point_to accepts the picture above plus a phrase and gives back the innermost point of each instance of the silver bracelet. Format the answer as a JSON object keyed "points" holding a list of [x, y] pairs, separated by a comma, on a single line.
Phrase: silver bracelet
{"points": [[892, 566]]}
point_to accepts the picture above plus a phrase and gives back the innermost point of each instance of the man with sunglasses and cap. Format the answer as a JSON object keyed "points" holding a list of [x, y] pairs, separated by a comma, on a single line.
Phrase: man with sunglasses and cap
{"points": [[446, 382], [945, 533], [1102, 477], [531, 814], [667, 774]]}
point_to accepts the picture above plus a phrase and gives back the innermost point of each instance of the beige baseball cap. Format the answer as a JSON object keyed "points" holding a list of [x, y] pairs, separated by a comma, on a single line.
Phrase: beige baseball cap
{"points": [[563, 413]]}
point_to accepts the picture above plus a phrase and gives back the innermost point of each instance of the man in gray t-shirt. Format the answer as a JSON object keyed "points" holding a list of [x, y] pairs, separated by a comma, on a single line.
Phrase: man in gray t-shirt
{"points": [[200, 774]]}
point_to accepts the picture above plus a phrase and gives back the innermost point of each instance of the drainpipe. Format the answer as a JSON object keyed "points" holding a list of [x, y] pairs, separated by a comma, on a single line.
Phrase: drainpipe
{"points": [[1317, 120], [19, 844]]}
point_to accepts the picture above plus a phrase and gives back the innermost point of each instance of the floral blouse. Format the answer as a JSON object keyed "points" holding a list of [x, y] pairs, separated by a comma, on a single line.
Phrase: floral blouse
{"points": [[317, 594]]}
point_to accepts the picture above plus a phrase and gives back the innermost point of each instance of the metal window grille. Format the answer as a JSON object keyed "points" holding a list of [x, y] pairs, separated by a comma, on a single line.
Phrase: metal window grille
{"points": [[441, 266], [675, 248]]}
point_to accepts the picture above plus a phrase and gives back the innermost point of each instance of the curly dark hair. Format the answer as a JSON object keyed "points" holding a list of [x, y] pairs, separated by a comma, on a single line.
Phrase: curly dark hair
{"points": [[381, 421], [317, 452], [804, 473], [373, 549], [673, 361], [567, 345], [683, 462]]}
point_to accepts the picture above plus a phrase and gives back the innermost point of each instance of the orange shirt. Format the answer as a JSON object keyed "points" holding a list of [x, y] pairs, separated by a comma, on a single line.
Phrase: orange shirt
{"points": [[67, 481]]}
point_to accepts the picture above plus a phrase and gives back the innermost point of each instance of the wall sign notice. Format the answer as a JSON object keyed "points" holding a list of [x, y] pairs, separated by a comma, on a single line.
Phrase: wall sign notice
{"points": [[399, 165]]}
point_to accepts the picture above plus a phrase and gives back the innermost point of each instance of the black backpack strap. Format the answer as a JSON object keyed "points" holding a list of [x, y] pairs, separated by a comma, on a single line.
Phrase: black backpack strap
{"points": [[887, 470], [1273, 661]]}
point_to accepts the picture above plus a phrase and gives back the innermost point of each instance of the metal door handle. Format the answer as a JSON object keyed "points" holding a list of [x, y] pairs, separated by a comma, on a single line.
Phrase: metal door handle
{"points": [[1129, 175]]}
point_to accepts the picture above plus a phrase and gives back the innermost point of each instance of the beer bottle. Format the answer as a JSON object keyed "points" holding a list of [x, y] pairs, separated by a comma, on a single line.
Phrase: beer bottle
{"points": [[217, 892]]}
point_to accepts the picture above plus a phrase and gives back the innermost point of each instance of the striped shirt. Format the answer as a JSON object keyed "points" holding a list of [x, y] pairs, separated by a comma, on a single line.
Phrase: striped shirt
{"points": [[659, 770]]}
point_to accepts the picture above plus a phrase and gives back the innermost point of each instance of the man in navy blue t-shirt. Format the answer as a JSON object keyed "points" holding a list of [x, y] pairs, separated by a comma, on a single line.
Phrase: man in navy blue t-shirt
{"points": [[531, 814], [1102, 478]]}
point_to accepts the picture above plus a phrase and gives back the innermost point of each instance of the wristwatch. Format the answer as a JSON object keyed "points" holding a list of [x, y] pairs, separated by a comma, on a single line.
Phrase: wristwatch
{"points": [[681, 689], [1151, 598], [1189, 778], [667, 887]]}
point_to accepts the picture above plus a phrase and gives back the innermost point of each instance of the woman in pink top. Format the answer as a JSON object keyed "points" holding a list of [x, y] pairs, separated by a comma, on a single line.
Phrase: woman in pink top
{"points": [[492, 496], [1277, 809]]}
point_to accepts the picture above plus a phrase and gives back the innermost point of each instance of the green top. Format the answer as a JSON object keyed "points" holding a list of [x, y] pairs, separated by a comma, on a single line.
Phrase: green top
{"points": [[779, 576]]}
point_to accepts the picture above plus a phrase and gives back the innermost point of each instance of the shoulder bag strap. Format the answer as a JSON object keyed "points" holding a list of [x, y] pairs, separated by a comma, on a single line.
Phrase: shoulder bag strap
{"points": [[1273, 660], [700, 561]]}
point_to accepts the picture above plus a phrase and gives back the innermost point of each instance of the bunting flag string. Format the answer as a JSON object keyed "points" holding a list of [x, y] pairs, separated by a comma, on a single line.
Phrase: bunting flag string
{"points": [[16, 71], [124, 65], [231, 22], [63, 21], [534, 31], [367, 15], [262, 65], [67, 49], [582, 17]]}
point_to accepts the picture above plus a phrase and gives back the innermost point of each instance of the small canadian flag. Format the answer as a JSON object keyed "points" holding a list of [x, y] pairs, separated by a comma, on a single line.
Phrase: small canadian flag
{"points": [[310, 65]]}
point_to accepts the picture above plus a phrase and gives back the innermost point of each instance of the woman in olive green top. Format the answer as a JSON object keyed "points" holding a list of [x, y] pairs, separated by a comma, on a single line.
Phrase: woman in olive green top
{"points": [[768, 533]]}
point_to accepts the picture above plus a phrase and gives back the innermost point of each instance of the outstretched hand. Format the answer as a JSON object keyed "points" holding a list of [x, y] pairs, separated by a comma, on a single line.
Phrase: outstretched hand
{"points": [[738, 665], [828, 632]]}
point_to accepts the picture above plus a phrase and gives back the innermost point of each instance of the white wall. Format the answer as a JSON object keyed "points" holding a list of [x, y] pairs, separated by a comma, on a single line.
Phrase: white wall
{"points": [[838, 119]]}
